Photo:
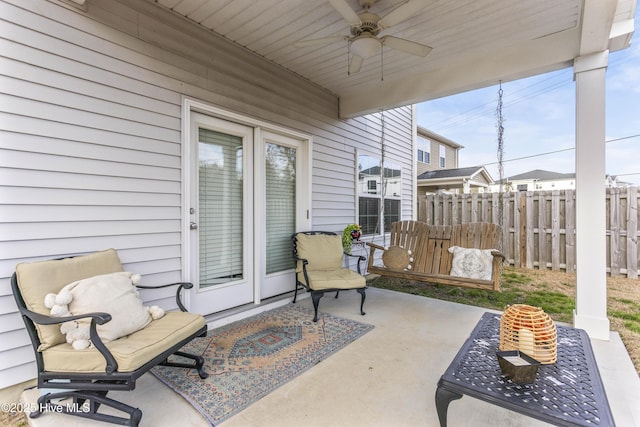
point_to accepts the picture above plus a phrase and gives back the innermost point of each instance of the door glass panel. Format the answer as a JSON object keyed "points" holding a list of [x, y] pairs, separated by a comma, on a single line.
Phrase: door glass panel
{"points": [[220, 207], [280, 180]]}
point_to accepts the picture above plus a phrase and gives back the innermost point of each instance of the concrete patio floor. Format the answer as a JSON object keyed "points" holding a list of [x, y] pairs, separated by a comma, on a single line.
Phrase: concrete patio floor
{"points": [[387, 377]]}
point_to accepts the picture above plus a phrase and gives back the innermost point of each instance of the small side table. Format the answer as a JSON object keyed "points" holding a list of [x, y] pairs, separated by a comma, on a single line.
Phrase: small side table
{"points": [[567, 393]]}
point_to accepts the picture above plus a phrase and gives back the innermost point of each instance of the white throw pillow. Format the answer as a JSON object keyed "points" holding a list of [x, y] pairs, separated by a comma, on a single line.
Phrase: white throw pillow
{"points": [[471, 263], [112, 293]]}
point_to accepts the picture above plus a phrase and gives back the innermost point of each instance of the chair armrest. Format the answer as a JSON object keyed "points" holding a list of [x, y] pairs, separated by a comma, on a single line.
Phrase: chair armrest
{"points": [[42, 319], [360, 259], [498, 254], [373, 245], [304, 261], [96, 319], [304, 269], [180, 285], [372, 251]]}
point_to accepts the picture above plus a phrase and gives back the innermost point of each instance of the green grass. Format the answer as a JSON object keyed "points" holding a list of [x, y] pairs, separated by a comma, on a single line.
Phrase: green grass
{"points": [[628, 312], [558, 305]]}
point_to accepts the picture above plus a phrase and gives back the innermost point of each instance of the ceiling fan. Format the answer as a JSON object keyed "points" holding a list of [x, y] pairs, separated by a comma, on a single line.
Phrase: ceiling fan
{"points": [[365, 27]]}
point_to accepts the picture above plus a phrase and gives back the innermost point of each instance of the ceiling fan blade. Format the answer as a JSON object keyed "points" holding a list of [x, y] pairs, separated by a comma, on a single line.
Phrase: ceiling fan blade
{"points": [[403, 12], [406, 46], [318, 42], [355, 64], [345, 10]]}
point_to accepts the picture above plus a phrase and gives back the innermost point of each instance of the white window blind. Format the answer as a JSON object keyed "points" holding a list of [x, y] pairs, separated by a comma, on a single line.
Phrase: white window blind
{"points": [[280, 180], [220, 207]]}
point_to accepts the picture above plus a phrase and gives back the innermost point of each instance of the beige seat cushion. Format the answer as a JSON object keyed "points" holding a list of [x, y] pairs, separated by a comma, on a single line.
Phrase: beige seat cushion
{"points": [[37, 279], [324, 252], [131, 351], [342, 278]]}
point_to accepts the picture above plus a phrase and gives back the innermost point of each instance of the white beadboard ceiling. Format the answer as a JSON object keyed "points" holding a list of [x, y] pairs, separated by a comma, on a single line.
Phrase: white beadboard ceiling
{"points": [[475, 42]]}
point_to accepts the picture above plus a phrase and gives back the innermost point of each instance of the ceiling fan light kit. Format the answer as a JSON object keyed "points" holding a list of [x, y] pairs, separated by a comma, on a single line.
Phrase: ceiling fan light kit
{"points": [[366, 46], [364, 42]]}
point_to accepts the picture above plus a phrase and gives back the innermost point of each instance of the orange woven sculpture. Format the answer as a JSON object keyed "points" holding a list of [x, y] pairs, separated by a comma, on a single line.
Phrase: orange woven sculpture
{"points": [[529, 330]]}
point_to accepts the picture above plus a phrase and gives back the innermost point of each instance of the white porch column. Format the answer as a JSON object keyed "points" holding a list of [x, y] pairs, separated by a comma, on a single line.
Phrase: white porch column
{"points": [[591, 293]]}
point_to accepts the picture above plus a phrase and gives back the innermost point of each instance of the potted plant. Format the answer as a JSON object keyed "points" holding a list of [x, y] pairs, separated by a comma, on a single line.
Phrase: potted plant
{"points": [[350, 233]]}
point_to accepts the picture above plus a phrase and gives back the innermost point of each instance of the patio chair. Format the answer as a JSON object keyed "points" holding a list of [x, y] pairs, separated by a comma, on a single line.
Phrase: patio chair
{"points": [[82, 378], [319, 258]]}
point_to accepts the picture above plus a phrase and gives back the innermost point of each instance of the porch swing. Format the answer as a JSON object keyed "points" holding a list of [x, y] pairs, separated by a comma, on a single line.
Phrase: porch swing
{"points": [[467, 255]]}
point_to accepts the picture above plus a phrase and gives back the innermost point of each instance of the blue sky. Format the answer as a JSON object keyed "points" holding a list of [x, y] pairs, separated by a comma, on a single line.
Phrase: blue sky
{"points": [[539, 121]]}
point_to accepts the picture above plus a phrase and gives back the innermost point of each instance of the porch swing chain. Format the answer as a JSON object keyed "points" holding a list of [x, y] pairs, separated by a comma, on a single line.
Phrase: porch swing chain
{"points": [[500, 126], [384, 187]]}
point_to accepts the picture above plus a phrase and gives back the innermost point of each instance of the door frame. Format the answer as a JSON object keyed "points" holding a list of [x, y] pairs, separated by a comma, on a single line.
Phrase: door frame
{"points": [[190, 105]]}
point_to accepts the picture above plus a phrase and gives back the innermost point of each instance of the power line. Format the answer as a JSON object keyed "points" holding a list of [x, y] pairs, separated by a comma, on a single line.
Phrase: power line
{"points": [[557, 80], [488, 108], [622, 138], [532, 156]]}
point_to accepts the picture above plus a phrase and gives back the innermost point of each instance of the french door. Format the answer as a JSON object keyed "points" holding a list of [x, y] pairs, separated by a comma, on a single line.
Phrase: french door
{"points": [[246, 198], [278, 192]]}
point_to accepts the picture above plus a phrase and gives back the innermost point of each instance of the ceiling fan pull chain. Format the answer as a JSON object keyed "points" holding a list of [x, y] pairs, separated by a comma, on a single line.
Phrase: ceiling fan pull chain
{"points": [[382, 64], [349, 58], [383, 190]]}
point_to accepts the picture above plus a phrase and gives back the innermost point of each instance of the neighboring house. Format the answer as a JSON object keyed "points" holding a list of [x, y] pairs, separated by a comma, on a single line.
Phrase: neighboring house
{"points": [[475, 179], [541, 180], [538, 180], [435, 152], [614, 181]]}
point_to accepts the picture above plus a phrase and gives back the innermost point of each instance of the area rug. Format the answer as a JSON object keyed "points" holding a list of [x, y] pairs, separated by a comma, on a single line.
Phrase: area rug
{"points": [[249, 358]]}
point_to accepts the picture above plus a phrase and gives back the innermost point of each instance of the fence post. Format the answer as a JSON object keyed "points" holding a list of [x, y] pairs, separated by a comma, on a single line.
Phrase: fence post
{"points": [[632, 232], [570, 230], [614, 231], [529, 230], [555, 230], [542, 229], [507, 246]]}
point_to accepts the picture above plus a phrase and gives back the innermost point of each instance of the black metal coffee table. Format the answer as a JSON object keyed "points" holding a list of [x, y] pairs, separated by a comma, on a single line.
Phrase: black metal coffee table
{"points": [[567, 393]]}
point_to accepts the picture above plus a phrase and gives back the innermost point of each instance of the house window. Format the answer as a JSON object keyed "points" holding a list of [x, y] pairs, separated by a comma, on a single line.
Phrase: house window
{"points": [[522, 187], [442, 156], [424, 150], [374, 185]]}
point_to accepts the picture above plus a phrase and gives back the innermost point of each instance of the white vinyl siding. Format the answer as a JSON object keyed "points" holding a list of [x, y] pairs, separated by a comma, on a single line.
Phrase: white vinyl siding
{"points": [[90, 139]]}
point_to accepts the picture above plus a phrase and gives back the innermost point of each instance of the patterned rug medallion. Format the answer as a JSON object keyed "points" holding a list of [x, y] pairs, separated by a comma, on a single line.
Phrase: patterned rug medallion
{"points": [[249, 358]]}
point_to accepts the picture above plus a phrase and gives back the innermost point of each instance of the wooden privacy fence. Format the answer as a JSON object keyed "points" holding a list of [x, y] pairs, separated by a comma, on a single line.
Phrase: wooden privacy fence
{"points": [[539, 226]]}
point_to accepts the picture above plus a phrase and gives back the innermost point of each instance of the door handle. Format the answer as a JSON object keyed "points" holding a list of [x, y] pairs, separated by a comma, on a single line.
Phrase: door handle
{"points": [[193, 226]]}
